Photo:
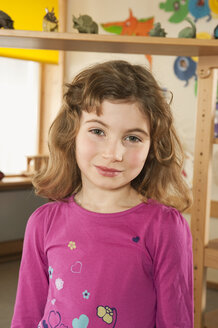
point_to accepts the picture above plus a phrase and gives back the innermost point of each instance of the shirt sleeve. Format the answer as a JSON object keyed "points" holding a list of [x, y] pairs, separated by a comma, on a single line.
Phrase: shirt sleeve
{"points": [[33, 275], [173, 272]]}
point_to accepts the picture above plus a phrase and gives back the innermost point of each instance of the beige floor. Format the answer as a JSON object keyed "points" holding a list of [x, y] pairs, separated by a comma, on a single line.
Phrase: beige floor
{"points": [[8, 284]]}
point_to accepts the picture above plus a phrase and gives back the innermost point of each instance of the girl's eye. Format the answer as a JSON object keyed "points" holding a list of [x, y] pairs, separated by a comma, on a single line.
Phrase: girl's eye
{"points": [[133, 139], [97, 132]]}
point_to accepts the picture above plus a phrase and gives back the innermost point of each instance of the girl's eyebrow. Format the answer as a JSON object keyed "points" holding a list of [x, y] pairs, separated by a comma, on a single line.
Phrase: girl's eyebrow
{"points": [[97, 121], [127, 131], [138, 130]]}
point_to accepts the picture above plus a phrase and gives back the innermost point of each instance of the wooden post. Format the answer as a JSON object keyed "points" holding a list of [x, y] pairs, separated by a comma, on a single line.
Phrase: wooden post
{"points": [[200, 216], [51, 87]]}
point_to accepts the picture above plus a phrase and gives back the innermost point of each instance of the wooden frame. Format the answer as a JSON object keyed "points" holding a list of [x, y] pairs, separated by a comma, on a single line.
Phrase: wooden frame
{"points": [[207, 82], [51, 86]]}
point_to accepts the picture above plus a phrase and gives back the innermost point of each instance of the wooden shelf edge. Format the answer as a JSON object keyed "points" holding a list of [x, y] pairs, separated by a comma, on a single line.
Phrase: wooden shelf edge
{"points": [[13, 183], [68, 41], [211, 254], [215, 140], [11, 247], [11, 250]]}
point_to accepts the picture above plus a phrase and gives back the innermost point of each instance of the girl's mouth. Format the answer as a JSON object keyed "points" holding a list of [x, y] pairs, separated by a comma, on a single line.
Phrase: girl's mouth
{"points": [[108, 172]]}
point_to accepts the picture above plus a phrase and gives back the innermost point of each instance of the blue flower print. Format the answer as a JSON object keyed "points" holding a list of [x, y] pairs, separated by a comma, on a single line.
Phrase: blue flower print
{"points": [[50, 272], [86, 294]]}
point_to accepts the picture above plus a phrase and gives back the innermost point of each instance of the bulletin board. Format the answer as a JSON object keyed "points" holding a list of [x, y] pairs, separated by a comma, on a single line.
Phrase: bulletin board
{"points": [[28, 15]]}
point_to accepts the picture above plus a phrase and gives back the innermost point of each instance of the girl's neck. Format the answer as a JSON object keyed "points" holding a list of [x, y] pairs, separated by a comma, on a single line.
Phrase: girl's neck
{"points": [[104, 201]]}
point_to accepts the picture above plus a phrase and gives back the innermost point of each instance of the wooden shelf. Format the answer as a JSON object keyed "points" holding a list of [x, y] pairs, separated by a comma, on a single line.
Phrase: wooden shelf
{"points": [[211, 254], [107, 43], [12, 183], [215, 141], [11, 250]]}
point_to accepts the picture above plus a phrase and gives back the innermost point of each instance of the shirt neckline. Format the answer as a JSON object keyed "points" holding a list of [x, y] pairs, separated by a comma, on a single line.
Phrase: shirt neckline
{"points": [[83, 210]]}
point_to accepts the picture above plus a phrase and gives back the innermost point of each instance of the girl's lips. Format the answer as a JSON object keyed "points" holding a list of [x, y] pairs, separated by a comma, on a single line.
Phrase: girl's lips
{"points": [[106, 169], [107, 172]]}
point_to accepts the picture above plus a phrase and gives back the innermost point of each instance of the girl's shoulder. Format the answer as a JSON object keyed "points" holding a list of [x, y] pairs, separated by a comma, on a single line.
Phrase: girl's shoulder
{"points": [[47, 208], [161, 215], [45, 215], [166, 226], [153, 206]]}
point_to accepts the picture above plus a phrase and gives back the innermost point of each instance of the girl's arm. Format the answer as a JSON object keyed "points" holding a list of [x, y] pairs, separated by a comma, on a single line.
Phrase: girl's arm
{"points": [[33, 276], [173, 272]]}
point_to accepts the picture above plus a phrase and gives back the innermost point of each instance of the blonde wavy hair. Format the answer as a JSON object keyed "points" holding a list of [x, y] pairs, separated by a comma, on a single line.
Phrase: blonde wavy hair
{"points": [[161, 177]]}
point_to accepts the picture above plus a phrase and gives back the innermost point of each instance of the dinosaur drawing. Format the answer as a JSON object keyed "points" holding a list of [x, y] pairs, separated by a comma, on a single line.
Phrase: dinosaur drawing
{"points": [[179, 9], [131, 26], [197, 8]]}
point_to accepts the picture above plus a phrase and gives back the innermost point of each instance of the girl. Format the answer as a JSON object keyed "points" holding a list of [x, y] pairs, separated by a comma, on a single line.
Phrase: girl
{"points": [[111, 249]]}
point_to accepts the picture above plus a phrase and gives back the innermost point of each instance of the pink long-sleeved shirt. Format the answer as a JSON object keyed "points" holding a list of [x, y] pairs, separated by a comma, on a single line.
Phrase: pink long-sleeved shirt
{"points": [[80, 269]]}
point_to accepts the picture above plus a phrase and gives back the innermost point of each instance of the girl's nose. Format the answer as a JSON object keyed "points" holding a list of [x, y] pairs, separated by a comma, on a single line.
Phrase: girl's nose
{"points": [[113, 151]]}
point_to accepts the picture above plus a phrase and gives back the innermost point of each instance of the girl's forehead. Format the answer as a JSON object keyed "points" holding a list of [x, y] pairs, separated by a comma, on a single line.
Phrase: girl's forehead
{"points": [[117, 113], [113, 107]]}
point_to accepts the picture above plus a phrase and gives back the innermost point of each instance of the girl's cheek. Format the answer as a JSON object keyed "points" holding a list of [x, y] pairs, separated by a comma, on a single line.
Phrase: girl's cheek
{"points": [[137, 157], [95, 143], [89, 146]]}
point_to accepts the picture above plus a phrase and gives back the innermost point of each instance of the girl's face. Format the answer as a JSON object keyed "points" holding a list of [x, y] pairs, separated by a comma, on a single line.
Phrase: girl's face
{"points": [[111, 149]]}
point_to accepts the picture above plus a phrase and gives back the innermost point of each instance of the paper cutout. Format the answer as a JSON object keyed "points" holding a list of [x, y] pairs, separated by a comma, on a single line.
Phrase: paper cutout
{"points": [[131, 26]]}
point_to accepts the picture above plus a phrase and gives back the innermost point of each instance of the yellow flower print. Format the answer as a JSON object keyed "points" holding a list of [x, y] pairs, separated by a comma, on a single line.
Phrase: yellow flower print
{"points": [[72, 245], [107, 314]]}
